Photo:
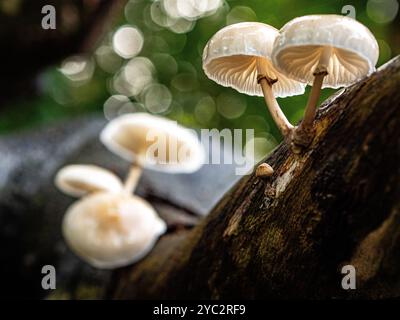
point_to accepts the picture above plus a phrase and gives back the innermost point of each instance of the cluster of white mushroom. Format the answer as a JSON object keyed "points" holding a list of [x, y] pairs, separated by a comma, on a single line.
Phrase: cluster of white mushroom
{"points": [[320, 50], [110, 227]]}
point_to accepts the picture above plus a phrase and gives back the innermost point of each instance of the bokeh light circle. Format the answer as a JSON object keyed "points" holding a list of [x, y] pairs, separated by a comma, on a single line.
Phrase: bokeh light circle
{"points": [[382, 11], [127, 41]]}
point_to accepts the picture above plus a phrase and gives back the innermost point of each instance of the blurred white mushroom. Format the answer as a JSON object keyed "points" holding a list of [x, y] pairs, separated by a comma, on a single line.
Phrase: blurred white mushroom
{"points": [[152, 142], [326, 51], [108, 227], [78, 180], [239, 56], [110, 230]]}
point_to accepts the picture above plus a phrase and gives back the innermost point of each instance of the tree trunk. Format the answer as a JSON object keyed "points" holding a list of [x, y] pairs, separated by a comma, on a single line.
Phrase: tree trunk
{"points": [[289, 236]]}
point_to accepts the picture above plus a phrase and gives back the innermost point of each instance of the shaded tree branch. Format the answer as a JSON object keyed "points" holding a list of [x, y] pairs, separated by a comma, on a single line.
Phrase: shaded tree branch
{"points": [[289, 236]]}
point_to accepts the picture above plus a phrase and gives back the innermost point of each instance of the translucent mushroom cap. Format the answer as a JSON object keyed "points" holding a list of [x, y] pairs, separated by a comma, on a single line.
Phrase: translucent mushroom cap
{"points": [[111, 230], [231, 56], [154, 142], [301, 41], [78, 180]]}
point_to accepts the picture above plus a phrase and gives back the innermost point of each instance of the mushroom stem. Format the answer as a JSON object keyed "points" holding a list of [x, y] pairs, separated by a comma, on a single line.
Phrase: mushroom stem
{"points": [[303, 134], [266, 85], [133, 178]]}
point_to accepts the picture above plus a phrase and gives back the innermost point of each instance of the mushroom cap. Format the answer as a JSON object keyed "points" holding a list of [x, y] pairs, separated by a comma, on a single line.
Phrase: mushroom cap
{"points": [[110, 230], [230, 58], [154, 142], [301, 41], [78, 180], [264, 170]]}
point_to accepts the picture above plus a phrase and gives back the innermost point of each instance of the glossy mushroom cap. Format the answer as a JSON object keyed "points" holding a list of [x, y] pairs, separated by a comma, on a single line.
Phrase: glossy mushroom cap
{"points": [[78, 180], [230, 58], [111, 230], [154, 142], [301, 41]]}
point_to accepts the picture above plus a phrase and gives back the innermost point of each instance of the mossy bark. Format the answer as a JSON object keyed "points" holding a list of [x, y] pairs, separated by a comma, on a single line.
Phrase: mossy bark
{"points": [[289, 236]]}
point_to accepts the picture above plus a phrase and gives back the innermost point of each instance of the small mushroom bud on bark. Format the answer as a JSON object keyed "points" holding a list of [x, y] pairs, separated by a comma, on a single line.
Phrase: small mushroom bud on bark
{"points": [[110, 230], [325, 51], [264, 170], [239, 56]]}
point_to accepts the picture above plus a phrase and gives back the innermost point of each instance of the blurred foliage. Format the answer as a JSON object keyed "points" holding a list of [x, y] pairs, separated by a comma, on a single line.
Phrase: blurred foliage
{"points": [[170, 81]]}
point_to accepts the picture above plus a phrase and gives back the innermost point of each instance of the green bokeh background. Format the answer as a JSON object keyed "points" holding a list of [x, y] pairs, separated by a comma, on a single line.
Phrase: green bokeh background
{"points": [[61, 98]]}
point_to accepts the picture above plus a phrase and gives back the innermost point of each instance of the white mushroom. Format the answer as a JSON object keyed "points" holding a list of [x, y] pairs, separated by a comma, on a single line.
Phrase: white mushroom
{"points": [[110, 227], [152, 142], [239, 56], [78, 180], [110, 230], [325, 51]]}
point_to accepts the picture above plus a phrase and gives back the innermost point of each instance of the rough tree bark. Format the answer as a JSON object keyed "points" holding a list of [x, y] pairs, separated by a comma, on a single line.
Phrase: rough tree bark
{"points": [[289, 236]]}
